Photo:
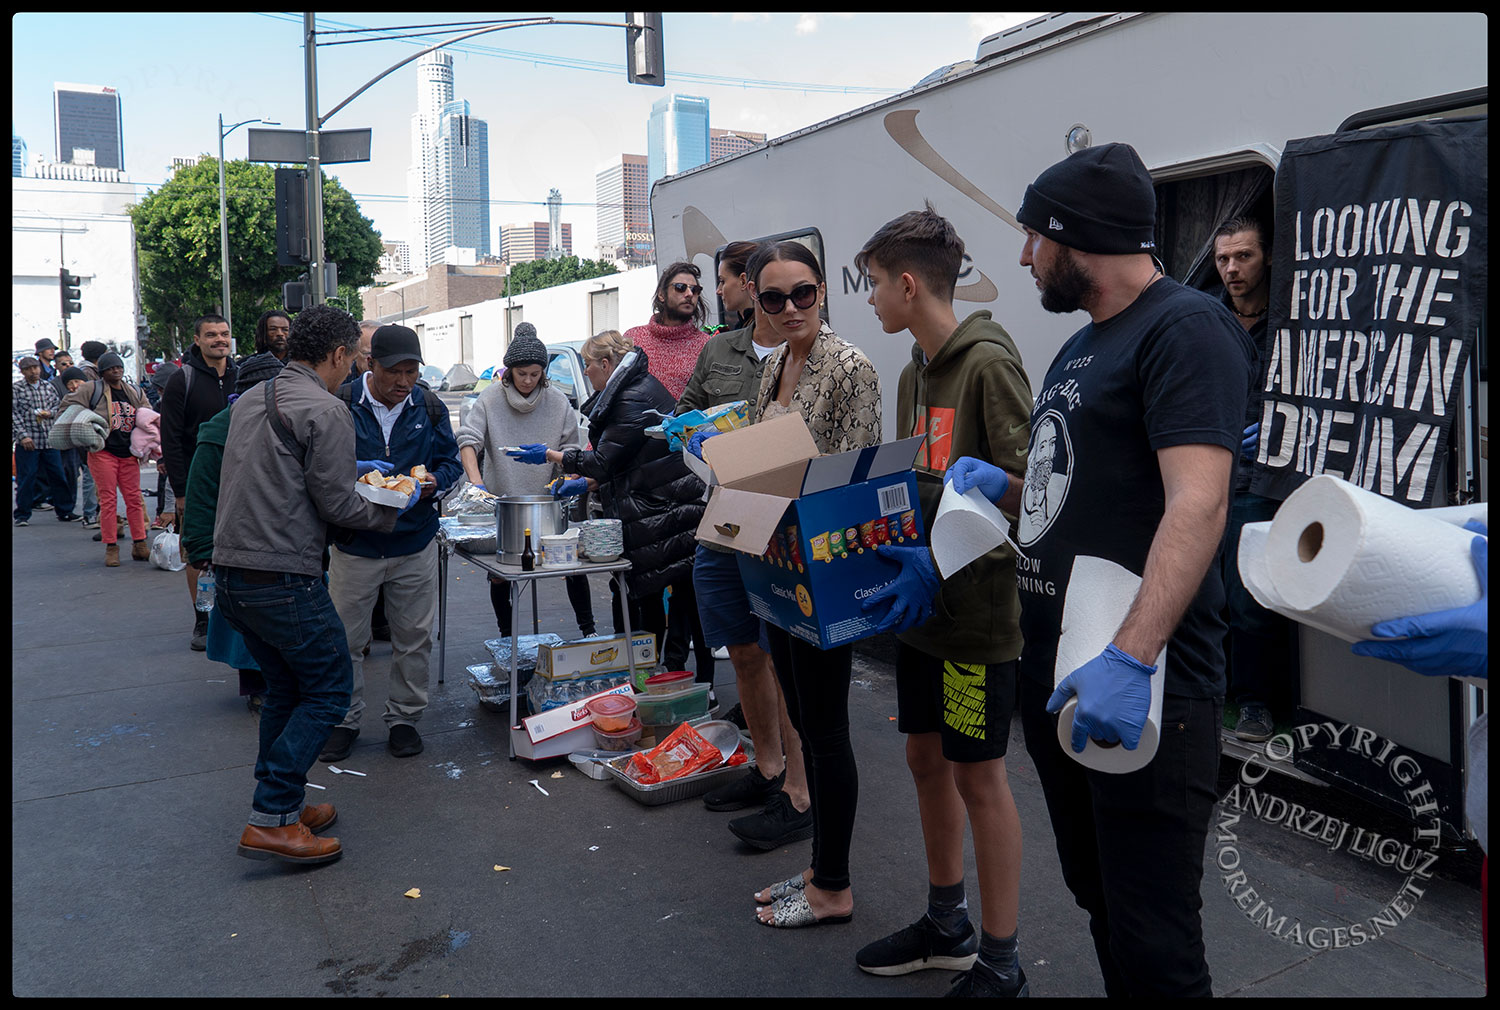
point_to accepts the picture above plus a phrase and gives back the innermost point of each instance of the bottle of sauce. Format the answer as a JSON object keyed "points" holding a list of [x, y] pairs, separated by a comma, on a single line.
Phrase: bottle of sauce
{"points": [[528, 559]]}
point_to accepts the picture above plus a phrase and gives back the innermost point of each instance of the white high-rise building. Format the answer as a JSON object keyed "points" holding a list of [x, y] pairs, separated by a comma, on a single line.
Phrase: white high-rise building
{"points": [[458, 187], [434, 91]]}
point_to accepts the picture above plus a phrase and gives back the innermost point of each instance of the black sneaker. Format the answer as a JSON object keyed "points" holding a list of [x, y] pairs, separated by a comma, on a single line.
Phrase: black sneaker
{"points": [[67, 517], [200, 633], [405, 741], [777, 825], [736, 715], [920, 946], [23, 522], [753, 790], [42, 506], [340, 743], [981, 980]]}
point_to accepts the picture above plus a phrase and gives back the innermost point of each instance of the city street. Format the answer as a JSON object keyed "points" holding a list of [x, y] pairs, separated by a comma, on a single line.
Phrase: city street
{"points": [[132, 771]]}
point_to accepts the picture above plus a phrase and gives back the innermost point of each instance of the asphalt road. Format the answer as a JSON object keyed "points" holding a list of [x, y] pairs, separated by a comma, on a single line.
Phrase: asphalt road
{"points": [[132, 771]]}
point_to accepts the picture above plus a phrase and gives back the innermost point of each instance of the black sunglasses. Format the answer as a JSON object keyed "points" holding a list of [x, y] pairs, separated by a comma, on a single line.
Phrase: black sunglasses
{"points": [[803, 296], [679, 287]]}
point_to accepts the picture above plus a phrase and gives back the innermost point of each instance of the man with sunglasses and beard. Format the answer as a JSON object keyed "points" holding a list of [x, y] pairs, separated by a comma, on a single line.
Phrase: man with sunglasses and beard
{"points": [[674, 337], [1146, 403]]}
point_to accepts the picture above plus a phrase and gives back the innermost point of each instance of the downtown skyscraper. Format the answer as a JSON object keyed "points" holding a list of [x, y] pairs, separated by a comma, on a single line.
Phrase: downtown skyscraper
{"points": [[676, 136], [448, 182], [87, 118]]}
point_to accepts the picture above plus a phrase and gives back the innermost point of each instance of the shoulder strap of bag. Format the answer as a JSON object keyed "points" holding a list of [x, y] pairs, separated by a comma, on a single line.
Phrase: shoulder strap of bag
{"points": [[278, 424], [187, 381], [437, 410], [96, 394]]}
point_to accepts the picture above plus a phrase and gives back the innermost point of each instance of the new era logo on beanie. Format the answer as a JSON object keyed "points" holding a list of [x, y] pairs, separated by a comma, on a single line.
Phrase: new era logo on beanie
{"points": [[1098, 200]]}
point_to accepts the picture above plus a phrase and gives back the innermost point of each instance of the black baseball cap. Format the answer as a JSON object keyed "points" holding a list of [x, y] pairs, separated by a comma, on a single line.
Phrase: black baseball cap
{"points": [[393, 344]]}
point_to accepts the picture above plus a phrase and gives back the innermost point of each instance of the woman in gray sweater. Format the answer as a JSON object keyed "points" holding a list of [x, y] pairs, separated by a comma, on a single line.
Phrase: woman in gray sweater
{"points": [[521, 409]]}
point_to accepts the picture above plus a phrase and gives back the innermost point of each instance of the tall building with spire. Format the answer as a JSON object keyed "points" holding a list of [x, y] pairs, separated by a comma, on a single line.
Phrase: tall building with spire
{"points": [[448, 182]]}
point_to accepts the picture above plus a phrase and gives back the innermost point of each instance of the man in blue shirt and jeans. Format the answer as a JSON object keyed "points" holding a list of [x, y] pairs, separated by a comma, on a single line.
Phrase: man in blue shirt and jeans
{"points": [[402, 424]]}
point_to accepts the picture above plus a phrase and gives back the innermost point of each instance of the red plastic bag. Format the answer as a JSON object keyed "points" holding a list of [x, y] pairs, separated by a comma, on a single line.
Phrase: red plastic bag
{"points": [[682, 753]]}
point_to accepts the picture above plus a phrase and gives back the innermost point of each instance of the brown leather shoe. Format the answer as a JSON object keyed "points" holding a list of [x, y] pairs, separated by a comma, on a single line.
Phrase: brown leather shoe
{"points": [[294, 843], [139, 551], [318, 816], [111, 555]]}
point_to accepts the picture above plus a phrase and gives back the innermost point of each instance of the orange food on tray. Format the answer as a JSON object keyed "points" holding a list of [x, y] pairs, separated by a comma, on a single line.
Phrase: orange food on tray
{"points": [[395, 482], [682, 753]]}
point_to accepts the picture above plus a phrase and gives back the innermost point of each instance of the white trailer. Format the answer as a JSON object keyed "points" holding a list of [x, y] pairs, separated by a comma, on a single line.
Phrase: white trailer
{"points": [[1209, 101]]}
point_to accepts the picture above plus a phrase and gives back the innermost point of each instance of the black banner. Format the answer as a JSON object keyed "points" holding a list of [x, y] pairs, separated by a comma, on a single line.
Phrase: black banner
{"points": [[1378, 278]]}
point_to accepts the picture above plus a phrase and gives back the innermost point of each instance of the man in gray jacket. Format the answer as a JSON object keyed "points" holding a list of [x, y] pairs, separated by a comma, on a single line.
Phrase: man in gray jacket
{"points": [[289, 471]]}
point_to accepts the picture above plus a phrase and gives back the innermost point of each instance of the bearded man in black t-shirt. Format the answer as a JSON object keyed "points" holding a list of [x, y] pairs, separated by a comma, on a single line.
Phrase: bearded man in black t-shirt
{"points": [[1135, 434]]}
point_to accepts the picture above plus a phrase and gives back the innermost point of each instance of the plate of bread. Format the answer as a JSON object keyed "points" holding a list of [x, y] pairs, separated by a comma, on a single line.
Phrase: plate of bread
{"points": [[395, 489]]}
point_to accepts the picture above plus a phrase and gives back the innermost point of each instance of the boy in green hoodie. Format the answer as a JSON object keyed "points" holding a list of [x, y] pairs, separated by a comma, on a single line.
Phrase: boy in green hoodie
{"points": [[958, 642]]}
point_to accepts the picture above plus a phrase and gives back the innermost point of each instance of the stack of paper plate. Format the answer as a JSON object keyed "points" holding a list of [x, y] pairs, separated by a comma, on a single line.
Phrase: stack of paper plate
{"points": [[601, 539]]}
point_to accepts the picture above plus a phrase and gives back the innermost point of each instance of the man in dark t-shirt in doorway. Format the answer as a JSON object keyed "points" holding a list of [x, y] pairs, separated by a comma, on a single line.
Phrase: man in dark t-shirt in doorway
{"points": [[1134, 436]]}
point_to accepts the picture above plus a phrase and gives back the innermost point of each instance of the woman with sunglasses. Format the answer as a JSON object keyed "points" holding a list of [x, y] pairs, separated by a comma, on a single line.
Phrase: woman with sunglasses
{"points": [[836, 390]]}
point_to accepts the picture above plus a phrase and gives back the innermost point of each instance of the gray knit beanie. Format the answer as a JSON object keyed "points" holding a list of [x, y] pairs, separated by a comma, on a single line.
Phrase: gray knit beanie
{"points": [[525, 349]]}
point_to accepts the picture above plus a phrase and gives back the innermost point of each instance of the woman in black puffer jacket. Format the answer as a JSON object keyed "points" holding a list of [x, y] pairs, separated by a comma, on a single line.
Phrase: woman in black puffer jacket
{"points": [[640, 481]]}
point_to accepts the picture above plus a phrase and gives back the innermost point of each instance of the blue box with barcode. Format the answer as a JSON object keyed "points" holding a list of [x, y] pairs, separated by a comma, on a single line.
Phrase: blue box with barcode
{"points": [[805, 527]]}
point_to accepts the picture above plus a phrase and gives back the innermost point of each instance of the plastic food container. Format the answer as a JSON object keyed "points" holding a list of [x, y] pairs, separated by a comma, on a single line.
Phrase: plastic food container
{"points": [[619, 740], [669, 683], [674, 708], [614, 713]]}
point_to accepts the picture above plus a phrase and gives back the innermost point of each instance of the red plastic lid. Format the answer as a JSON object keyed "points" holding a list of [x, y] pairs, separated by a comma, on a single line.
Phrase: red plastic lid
{"points": [[670, 677], [634, 727], [612, 704]]}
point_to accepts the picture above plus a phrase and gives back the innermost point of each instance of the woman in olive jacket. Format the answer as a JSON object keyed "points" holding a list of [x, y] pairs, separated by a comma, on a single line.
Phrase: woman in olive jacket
{"points": [[640, 481]]}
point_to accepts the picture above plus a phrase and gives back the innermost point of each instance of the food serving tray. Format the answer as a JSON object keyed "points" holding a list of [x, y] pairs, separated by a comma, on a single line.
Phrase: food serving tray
{"points": [[674, 789]]}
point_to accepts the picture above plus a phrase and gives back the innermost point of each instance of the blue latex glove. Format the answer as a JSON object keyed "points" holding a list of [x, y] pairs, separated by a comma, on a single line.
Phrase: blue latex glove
{"points": [[569, 488], [1252, 440], [364, 466], [910, 598], [969, 472], [416, 496], [1446, 642], [480, 487], [1114, 698], [695, 444], [535, 452]]}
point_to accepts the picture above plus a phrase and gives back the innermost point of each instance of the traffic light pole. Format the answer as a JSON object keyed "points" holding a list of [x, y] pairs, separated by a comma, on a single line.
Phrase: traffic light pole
{"points": [[644, 67], [314, 170]]}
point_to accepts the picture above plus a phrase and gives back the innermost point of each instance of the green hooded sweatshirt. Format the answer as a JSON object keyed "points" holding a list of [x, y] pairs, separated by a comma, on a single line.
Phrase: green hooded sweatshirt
{"points": [[972, 399]]}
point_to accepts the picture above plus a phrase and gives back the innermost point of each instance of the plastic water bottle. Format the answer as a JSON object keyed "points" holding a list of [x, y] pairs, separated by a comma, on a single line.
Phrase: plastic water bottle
{"points": [[204, 601]]}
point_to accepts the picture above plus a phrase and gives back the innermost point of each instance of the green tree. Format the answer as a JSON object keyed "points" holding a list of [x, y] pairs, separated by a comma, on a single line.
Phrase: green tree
{"points": [[549, 273], [177, 234]]}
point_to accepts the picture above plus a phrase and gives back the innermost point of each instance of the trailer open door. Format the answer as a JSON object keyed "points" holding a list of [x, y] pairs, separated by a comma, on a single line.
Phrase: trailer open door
{"points": [[1379, 278]]}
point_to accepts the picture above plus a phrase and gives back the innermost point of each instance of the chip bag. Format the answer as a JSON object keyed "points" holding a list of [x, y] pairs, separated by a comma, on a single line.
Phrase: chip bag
{"points": [[684, 752]]}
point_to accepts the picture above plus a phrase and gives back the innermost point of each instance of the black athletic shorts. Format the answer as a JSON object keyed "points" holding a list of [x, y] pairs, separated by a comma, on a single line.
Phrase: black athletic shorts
{"points": [[970, 704]]}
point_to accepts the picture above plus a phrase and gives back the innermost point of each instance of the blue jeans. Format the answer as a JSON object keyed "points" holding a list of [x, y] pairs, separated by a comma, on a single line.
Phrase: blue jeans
{"points": [[295, 635], [45, 464]]}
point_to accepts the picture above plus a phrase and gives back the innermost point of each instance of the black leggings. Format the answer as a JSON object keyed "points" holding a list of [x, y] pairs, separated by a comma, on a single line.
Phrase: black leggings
{"points": [[816, 686], [578, 595]]}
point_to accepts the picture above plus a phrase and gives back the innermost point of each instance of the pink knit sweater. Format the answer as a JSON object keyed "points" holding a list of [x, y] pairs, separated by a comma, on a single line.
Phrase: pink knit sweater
{"points": [[671, 351]]}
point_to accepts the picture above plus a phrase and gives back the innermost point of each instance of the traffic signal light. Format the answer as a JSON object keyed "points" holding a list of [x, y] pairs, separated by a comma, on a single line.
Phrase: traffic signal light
{"points": [[291, 217], [70, 292], [644, 62]]}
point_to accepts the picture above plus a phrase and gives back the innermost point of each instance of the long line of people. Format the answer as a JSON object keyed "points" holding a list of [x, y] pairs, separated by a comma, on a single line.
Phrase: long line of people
{"points": [[1150, 426]]}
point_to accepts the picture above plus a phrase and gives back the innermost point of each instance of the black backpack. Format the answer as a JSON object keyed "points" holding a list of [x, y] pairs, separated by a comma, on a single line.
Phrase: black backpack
{"points": [[436, 409]]}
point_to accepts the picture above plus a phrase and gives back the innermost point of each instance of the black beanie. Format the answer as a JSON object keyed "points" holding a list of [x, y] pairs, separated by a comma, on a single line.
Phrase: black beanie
{"points": [[525, 349], [256, 369], [74, 373], [1098, 200]]}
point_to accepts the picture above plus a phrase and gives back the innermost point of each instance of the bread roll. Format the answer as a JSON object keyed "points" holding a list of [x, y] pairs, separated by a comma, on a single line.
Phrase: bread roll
{"points": [[419, 472], [404, 484], [373, 478]]}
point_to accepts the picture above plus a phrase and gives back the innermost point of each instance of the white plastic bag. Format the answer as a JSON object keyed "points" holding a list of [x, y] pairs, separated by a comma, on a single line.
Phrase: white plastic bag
{"points": [[166, 552]]}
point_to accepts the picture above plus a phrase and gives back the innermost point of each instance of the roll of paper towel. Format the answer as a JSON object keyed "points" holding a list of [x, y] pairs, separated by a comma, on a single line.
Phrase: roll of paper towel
{"points": [[1099, 596], [1341, 559]]}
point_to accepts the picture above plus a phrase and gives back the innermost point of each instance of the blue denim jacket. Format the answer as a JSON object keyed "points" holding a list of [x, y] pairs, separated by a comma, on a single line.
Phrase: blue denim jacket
{"points": [[414, 440]]}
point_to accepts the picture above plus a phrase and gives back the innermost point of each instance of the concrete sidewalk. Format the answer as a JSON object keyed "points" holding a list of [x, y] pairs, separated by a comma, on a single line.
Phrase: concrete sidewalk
{"points": [[132, 771]]}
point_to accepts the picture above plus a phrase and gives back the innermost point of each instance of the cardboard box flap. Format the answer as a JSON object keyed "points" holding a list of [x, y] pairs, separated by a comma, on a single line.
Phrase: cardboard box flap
{"points": [[859, 465], [768, 445], [741, 520]]}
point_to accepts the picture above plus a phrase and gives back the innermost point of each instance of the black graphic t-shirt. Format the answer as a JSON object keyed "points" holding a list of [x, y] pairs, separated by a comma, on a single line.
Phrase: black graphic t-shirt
{"points": [[1171, 369]]}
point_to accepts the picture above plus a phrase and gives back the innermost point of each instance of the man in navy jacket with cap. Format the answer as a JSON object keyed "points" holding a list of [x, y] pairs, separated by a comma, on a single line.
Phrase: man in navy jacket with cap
{"points": [[402, 424]]}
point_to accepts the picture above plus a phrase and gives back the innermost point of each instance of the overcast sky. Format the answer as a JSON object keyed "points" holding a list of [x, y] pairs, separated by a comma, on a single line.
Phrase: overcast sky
{"points": [[556, 98]]}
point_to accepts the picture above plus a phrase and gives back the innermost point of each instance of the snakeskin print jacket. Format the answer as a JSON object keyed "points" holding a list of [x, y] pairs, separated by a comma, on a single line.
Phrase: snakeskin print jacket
{"points": [[838, 394]]}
